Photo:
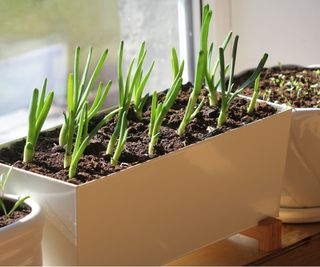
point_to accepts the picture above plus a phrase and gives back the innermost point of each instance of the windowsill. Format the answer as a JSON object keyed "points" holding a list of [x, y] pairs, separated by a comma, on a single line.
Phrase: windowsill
{"points": [[15, 124], [300, 246]]}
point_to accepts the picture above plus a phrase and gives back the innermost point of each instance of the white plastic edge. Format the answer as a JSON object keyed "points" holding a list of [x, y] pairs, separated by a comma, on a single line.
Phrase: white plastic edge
{"points": [[35, 212]]}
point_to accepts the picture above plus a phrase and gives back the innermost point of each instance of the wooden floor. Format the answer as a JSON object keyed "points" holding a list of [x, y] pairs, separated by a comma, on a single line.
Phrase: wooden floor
{"points": [[300, 246]]}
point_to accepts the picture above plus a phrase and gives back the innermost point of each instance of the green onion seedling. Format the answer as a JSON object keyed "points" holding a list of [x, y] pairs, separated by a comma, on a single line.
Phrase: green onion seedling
{"points": [[255, 94], [226, 93], [125, 95], [317, 72], [272, 80], [159, 111], [267, 93], [139, 100], [207, 14], [191, 110], [174, 63], [4, 177], [72, 120], [299, 91], [211, 73], [83, 137], [211, 82], [122, 139], [38, 112], [127, 89], [78, 92]]}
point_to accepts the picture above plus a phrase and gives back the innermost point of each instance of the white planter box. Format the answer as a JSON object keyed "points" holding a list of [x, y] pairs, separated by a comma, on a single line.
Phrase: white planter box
{"points": [[164, 208], [20, 242]]}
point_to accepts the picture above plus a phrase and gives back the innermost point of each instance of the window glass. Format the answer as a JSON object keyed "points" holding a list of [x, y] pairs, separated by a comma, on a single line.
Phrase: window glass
{"points": [[38, 39], [155, 22]]}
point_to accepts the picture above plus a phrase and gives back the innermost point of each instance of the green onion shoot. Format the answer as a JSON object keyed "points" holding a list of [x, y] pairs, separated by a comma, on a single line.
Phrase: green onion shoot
{"points": [[227, 96], [133, 84], [78, 91], [159, 111], [122, 139], [38, 112], [83, 137], [140, 83], [191, 109], [255, 94]]}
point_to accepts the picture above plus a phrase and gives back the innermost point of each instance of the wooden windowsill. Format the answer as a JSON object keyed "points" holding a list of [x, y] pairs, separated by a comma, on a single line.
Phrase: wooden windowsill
{"points": [[300, 246]]}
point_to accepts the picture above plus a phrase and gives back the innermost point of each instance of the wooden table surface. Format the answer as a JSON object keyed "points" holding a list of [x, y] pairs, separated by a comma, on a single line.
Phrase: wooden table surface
{"points": [[300, 246]]}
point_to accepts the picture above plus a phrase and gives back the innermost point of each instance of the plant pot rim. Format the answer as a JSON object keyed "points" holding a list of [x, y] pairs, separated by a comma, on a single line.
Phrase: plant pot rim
{"points": [[285, 66], [35, 212], [279, 108]]}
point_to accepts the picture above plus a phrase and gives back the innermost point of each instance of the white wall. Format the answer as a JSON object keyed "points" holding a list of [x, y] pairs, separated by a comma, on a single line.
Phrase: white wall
{"points": [[286, 29]]}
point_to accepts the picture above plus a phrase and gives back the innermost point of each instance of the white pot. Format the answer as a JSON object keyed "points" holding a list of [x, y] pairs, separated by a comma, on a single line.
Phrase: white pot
{"points": [[20, 242], [300, 197], [159, 210]]}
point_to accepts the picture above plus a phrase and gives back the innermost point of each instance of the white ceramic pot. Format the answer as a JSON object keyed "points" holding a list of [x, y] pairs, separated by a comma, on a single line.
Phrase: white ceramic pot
{"points": [[300, 198], [159, 210], [20, 242]]}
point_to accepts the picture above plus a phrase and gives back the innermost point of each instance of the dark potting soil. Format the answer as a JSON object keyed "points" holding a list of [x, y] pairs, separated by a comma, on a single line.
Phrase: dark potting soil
{"points": [[94, 164], [18, 214], [295, 86]]}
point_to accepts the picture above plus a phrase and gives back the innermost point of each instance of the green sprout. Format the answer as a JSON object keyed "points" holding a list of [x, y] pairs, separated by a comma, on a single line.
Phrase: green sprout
{"points": [[159, 111], [38, 112], [299, 91], [266, 95], [226, 93], [139, 101], [122, 139], [207, 14], [254, 96], [174, 63], [78, 92], [314, 88], [4, 177], [210, 75], [83, 137], [272, 80], [294, 86], [317, 72], [191, 110], [127, 89], [281, 80], [72, 120]]}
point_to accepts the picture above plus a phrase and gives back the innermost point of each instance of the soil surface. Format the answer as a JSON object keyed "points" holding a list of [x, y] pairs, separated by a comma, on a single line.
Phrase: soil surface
{"points": [[95, 164], [18, 214], [295, 86]]}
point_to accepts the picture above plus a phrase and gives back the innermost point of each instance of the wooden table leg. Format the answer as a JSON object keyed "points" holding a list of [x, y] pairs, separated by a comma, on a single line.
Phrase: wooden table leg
{"points": [[268, 233]]}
